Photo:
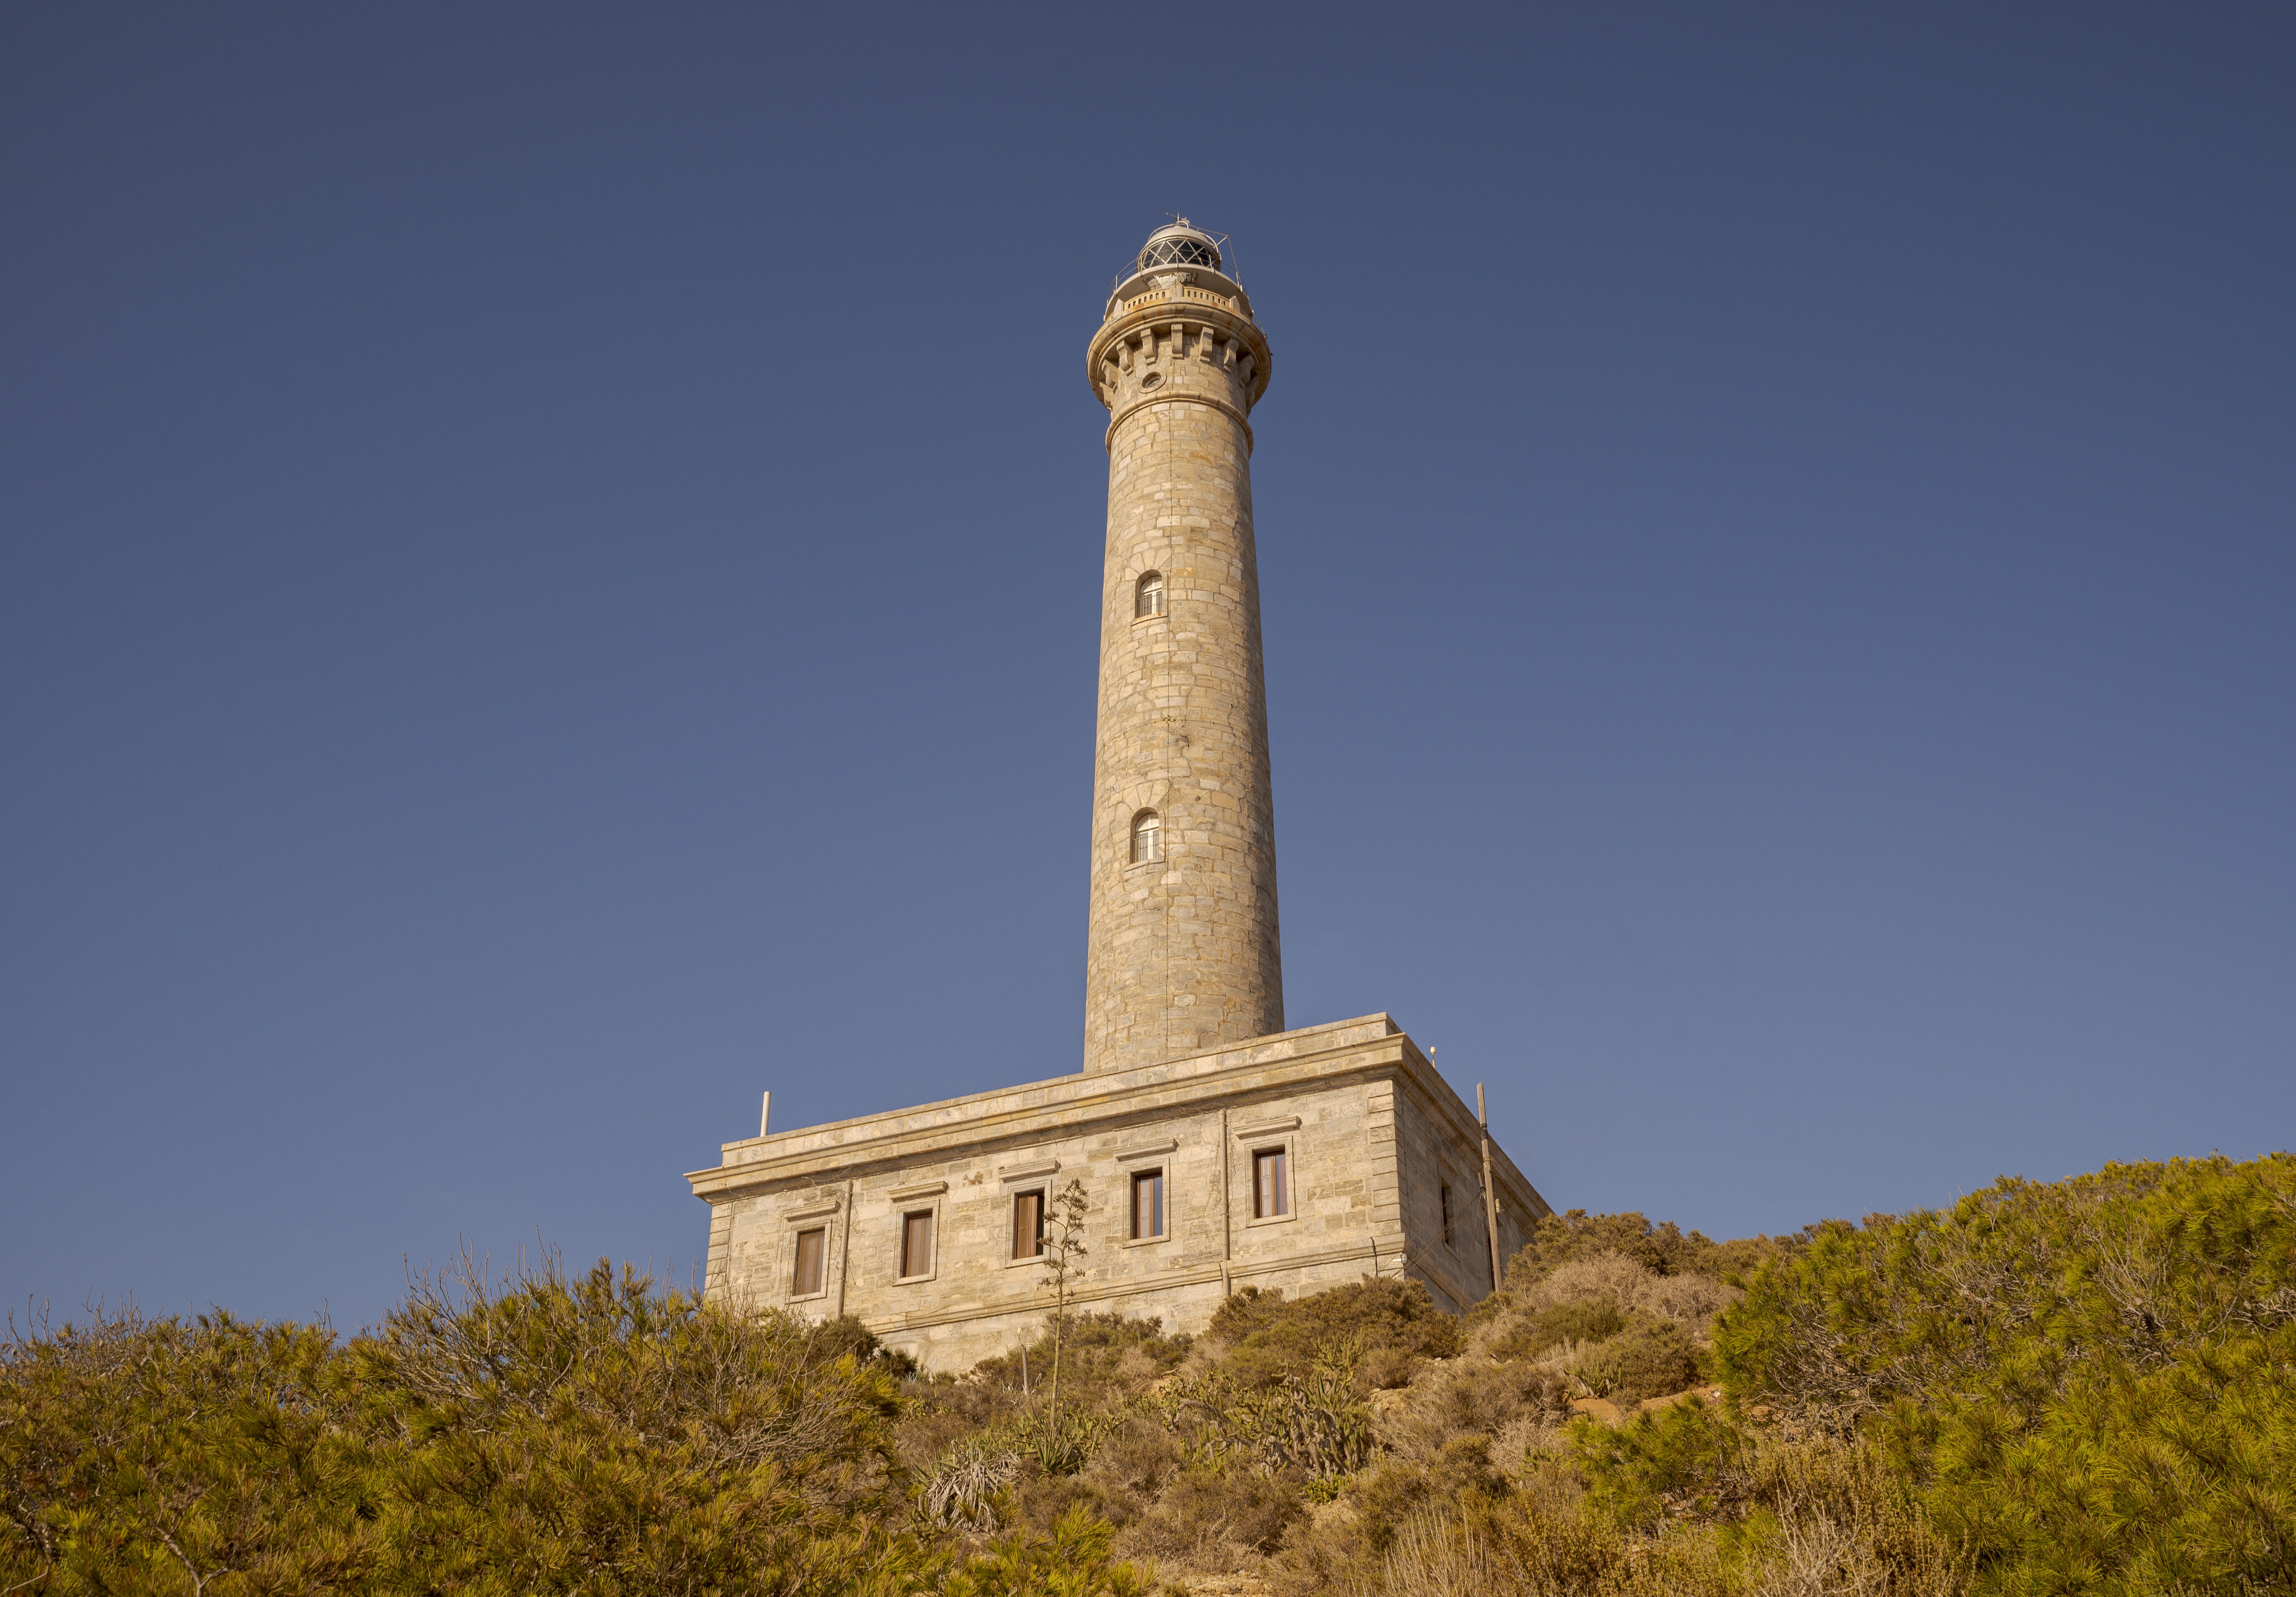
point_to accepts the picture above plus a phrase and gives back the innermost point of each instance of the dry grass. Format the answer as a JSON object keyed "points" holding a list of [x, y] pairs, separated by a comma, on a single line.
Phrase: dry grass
{"points": [[1436, 1555], [1837, 1535]]}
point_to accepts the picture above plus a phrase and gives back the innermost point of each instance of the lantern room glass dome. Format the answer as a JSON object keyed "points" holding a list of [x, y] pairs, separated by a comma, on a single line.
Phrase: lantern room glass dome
{"points": [[1178, 245], [1180, 257]]}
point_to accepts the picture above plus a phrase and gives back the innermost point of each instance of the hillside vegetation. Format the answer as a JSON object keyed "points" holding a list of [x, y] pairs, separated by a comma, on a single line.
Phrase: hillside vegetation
{"points": [[2083, 1387]]}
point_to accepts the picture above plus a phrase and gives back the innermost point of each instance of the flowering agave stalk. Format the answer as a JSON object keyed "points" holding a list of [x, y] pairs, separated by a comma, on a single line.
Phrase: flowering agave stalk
{"points": [[1065, 1248]]}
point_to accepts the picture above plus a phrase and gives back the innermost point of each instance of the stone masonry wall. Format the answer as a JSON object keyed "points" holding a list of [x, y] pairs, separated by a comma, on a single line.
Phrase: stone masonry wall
{"points": [[1431, 1153], [1357, 1114], [1181, 954], [977, 1300]]}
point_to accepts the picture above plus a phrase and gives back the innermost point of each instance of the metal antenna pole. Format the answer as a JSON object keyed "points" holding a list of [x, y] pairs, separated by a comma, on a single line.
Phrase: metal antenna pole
{"points": [[1490, 1194]]}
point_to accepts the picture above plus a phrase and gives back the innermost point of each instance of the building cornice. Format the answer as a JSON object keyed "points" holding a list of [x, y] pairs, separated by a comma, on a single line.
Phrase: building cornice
{"points": [[1067, 1107]]}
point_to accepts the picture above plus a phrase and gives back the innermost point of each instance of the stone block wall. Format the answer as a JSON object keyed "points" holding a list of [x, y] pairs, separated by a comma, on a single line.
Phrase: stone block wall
{"points": [[1182, 953], [1434, 1153], [1369, 1134]]}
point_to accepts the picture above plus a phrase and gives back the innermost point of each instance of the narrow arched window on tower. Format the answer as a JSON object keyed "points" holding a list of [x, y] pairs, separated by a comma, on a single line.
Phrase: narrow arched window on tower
{"points": [[1148, 597], [1147, 838]]}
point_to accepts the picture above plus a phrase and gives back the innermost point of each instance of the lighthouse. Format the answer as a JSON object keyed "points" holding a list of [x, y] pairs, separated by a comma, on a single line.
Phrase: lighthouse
{"points": [[1183, 952], [1211, 1149]]}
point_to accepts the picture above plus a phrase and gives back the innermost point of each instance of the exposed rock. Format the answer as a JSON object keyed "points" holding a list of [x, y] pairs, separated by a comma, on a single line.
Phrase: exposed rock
{"points": [[1711, 1393]]}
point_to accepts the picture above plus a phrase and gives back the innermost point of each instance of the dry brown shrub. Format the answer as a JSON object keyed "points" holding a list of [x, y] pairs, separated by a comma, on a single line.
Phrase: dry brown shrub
{"points": [[1587, 1320], [1513, 1444], [1693, 1300], [1846, 1531], [1475, 1396], [1436, 1556], [1610, 1276], [1627, 1285], [1139, 1459], [1045, 1498], [1210, 1521], [928, 1433], [1388, 1369], [1511, 1323]]}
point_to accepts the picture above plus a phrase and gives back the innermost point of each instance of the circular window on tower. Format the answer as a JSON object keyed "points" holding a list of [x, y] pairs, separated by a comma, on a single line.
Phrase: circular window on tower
{"points": [[1154, 380]]}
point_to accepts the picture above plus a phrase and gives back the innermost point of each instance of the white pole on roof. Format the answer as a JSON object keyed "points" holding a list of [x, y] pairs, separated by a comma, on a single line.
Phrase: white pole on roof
{"points": [[1490, 1194]]}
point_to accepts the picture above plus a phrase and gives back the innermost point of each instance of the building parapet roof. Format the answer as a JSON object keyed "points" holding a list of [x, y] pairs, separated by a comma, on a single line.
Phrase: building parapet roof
{"points": [[1033, 1112]]}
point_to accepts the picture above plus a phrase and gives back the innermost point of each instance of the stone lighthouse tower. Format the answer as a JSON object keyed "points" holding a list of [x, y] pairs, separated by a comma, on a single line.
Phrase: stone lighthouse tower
{"points": [[1183, 954], [1212, 1148]]}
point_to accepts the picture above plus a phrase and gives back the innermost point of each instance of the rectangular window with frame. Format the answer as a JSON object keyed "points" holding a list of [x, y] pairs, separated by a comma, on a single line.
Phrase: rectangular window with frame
{"points": [[1271, 1185], [1147, 1204], [1029, 1224], [812, 1251], [916, 1243]]}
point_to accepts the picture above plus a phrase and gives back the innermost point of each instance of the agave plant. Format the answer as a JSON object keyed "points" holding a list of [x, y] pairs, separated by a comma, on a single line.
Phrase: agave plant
{"points": [[966, 1483], [1062, 1443]]}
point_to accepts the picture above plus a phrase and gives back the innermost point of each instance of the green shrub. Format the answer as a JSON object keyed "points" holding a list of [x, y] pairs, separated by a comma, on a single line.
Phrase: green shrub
{"points": [[1688, 1455], [2092, 1382], [1102, 1353], [1073, 1561], [1268, 1338], [2087, 1387], [146, 1456], [833, 1339], [1651, 1358], [540, 1434], [1303, 1427], [1771, 1515], [1587, 1320]]}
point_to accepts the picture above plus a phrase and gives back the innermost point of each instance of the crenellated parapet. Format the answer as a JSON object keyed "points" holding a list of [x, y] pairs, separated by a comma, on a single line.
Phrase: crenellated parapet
{"points": [[1182, 335]]}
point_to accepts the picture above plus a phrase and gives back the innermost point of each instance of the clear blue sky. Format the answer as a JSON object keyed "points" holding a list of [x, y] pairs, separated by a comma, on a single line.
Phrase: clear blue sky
{"points": [[549, 573]]}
